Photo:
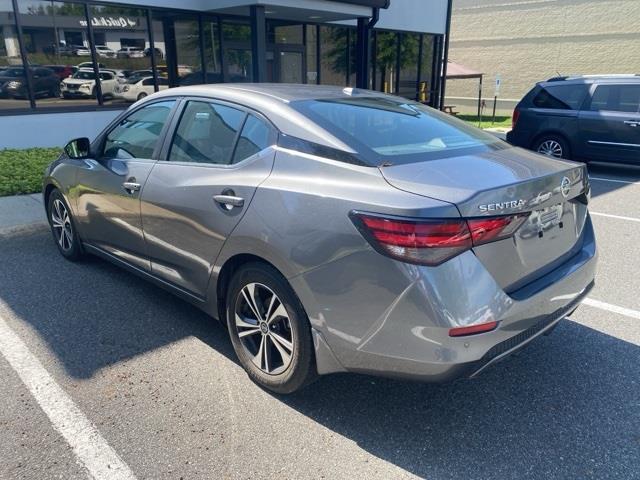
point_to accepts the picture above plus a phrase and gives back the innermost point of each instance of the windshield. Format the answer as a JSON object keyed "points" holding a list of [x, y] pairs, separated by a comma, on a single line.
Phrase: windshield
{"points": [[85, 75], [394, 130]]}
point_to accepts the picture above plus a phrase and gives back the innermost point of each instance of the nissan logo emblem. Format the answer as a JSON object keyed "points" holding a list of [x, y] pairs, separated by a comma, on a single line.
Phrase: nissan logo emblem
{"points": [[565, 187]]}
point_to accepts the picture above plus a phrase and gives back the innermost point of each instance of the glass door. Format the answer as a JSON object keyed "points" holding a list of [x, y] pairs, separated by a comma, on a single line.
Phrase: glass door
{"points": [[285, 64]]}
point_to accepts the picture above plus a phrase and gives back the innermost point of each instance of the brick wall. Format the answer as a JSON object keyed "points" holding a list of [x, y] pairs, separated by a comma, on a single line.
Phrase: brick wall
{"points": [[526, 41]]}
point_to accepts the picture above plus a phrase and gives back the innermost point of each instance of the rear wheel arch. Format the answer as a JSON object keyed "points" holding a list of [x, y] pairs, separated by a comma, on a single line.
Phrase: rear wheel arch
{"points": [[232, 265]]}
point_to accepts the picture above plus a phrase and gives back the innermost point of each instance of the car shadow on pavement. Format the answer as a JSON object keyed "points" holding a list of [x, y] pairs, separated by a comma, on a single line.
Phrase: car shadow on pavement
{"points": [[566, 407], [93, 314]]}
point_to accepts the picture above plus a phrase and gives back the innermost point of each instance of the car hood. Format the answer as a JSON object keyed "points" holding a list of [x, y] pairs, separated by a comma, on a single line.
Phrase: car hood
{"points": [[76, 81]]}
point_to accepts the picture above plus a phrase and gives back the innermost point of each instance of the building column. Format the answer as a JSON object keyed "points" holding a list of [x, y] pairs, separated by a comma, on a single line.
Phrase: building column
{"points": [[258, 41], [11, 41], [362, 53]]}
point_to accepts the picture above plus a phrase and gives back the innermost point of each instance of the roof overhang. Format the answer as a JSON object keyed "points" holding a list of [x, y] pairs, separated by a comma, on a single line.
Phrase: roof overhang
{"points": [[301, 10]]}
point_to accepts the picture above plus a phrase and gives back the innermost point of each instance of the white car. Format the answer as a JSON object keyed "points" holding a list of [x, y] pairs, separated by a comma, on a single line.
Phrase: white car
{"points": [[81, 51], [104, 51], [83, 84], [139, 87], [130, 52]]}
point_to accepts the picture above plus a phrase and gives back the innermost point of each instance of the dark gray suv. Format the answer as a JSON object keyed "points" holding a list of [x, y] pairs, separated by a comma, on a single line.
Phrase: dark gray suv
{"points": [[583, 118]]}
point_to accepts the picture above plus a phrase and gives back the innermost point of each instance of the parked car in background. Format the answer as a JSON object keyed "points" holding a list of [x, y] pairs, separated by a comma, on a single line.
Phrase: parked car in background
{"points": [[13, 82], [424, 248], [83, 84], [130, 52], [62, 71], [582, 118], [104, 51], [81, 51], [159, 54], [60, 49], [137, 88], [90, 65], [139, 74], [121, 75]]}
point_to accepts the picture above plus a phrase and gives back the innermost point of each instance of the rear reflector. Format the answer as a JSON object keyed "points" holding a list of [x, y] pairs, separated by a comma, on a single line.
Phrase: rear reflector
{"points": [[432, 241], [473, 329]]}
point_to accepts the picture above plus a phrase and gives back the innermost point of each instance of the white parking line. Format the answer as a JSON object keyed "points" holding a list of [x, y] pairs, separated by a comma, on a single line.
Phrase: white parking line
{"points": [[613, 180], [101, 461], [619, 217], [627, 312]]}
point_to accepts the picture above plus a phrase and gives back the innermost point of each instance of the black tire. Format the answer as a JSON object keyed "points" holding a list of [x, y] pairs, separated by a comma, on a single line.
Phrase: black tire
{"points": [[141, 95], [70, 247], [301, 370], [541, 143]]}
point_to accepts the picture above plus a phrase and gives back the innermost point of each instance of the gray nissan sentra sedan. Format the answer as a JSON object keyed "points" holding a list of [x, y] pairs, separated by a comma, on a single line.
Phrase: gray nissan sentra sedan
{"points": [[332, 229]]}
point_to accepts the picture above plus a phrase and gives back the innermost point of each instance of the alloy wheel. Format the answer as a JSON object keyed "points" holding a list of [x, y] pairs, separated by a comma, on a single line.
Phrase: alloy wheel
{"points": [[264, 328], [551, 148], [61, 223]]}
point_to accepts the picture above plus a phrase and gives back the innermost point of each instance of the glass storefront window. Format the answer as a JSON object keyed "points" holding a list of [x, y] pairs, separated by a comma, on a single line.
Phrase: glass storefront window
{"points": [[408, 79], [312, 57], [56, 39], [283, 32], [237, 51], [188, 59], [386, 53], [333, 55], [13, 84], [212, 51], [426, 71], [123, 52]]}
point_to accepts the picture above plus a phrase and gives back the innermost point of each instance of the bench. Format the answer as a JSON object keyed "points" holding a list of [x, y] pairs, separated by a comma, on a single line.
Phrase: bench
{"points": [[450, 110]]}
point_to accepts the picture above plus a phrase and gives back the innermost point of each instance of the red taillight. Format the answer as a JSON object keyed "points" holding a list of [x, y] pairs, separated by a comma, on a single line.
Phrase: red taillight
{"points": [[433, 241], [514, 118], [473, 329], [485, 230]]}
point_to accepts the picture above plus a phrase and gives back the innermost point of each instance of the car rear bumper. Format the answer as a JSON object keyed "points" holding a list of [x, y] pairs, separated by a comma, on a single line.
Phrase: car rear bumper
{"points": [[382, 317]]}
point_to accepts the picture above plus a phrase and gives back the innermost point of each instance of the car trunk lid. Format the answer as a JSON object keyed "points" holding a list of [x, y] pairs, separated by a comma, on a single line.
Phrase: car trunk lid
{"points": [[507, 181]]}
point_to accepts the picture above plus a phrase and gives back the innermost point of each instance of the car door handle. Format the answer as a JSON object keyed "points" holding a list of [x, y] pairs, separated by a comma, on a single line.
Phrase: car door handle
{"points": [[632, 123], [229, 201], [131, 187]]}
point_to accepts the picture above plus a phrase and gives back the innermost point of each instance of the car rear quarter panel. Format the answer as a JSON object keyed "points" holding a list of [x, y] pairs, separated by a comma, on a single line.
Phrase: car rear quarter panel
{"points": [[299, 221]]}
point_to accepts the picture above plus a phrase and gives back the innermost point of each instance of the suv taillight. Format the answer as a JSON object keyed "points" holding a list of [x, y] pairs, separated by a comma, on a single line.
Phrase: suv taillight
{"points": [[432, 241], [515, 117]]}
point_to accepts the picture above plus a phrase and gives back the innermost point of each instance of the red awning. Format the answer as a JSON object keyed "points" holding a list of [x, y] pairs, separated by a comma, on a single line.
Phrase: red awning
{"points": [[455, 70]]}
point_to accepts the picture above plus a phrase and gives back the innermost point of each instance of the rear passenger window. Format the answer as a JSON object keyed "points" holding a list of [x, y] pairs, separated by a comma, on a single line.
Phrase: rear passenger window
{"points": [[616, 98], [206, 133], [561, 97], [254, 138]]}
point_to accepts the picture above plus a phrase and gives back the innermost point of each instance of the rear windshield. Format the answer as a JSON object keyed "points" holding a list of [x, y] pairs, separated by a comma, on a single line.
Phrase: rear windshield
{"points": [[384, 130]]}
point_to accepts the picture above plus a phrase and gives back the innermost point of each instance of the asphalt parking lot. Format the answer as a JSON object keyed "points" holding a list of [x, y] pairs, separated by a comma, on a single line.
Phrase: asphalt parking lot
{"points": [[148, 382]]}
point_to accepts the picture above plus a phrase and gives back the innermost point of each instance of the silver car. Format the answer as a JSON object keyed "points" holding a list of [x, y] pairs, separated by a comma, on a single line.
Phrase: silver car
{"points": [[332, 229]]}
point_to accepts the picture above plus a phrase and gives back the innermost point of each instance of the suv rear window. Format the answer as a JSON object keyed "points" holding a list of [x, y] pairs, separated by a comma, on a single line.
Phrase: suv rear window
{"points": [[561, 97], [386, 130]]}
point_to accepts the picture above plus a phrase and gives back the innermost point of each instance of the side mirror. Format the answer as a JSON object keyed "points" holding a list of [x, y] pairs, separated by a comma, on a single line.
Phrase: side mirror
{"points": [[78, 149]]}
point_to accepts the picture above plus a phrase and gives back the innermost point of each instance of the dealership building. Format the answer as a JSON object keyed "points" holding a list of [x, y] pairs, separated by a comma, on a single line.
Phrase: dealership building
{"points": [[396, 46]]}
